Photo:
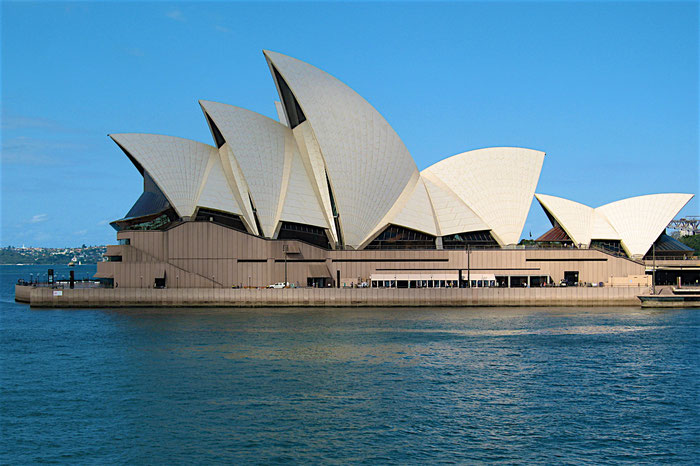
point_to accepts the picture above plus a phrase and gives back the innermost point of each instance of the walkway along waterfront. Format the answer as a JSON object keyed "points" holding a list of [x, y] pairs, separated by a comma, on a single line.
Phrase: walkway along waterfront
{"points": [[328, 297]]}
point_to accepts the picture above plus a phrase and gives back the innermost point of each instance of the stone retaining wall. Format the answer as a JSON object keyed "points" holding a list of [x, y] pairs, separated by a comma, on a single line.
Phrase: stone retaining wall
{"points": [[22, 293], [198, 297]]}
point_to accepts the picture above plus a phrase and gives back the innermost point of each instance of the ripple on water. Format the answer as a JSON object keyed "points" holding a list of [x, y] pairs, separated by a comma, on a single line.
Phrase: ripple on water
{"points": [[349, 385]]}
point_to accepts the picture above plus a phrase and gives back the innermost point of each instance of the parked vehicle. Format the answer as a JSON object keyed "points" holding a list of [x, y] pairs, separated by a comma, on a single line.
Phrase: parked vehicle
{"points": [[280, 285]]}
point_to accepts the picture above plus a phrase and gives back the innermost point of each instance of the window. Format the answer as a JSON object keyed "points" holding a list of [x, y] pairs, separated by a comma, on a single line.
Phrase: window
{"points": [[220, 218], [396, 237], [158, 223], [610, 246], [473, 239], [307, 233]]}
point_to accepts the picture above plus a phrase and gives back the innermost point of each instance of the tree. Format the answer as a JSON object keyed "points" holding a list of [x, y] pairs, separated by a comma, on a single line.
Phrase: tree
{"points": [[691, 241]]}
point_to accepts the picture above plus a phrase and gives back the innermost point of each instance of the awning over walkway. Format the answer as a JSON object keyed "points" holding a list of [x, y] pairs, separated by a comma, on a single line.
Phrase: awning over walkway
{"points": [[479, 276]]}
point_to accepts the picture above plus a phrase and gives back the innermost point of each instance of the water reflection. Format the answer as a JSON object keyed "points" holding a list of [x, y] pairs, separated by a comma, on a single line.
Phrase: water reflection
{"points": [[347, 385]]}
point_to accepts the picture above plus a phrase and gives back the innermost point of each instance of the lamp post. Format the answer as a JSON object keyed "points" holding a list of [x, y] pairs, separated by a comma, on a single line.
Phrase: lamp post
{"points": [[285, 248], [469, 255], [653, 269]]}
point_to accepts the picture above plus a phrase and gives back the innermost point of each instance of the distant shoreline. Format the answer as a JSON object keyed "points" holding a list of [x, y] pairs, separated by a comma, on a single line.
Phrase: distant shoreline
{"points": [[51, 256], [48, 263]]}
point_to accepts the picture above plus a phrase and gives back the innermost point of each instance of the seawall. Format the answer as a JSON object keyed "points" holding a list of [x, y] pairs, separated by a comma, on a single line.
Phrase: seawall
{"points": [[295, 297]]}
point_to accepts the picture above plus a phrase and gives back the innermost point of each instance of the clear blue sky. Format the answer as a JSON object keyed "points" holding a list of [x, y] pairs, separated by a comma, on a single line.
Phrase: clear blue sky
{"points": [[608, 90]]}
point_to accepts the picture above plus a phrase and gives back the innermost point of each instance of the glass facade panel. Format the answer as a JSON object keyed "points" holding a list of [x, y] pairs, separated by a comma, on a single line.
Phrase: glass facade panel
{"points": [[307, 233], [396, 237], [610, 246], [473, 239], [220, 218]]}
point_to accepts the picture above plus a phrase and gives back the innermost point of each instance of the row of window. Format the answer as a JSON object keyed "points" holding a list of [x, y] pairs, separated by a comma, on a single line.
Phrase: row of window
{"points": [[220, 218], [415, 283], [393, 237], [307, 233], [158, 223], [396, 237], [431, 283]]}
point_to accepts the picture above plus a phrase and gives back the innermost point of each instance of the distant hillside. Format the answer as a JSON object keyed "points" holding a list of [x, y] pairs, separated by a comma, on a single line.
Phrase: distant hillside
{"points": [[84, 255]]}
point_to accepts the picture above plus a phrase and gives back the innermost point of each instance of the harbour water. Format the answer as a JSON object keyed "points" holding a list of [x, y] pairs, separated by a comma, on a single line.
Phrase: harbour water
{"points": [[344, 385]]}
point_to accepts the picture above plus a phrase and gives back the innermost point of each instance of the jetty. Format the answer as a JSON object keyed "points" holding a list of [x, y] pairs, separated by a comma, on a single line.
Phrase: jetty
{"points": [[44, 297]]}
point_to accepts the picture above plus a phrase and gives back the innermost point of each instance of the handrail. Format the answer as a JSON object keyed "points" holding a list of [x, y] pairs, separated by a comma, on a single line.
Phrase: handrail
{"points": [[674, 258]]}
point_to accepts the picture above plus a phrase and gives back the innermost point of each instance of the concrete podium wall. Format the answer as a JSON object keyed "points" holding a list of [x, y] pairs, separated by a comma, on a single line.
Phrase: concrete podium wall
{"points": [[218, 297], [206, 255]]}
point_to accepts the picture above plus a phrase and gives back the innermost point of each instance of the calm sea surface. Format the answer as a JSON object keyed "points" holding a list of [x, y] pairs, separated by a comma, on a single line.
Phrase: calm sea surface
{"points": [[531, 385]]}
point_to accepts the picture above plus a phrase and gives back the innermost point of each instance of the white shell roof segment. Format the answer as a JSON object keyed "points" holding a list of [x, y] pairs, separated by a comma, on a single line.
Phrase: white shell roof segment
{"points": [[238, 185], [281, 116], [497, 183], [316, 169], [417, 213], [640, 220], [301, 205], [258, 144], [216, 192], [452, 214], [636, 221], [601, 228], [368, 164], [576, 219], [176, 165]]}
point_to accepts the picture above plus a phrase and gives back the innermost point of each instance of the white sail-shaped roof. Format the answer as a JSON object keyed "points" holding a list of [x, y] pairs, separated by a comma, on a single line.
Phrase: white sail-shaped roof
{"points": [[452, 214], [176, 165], [281, 116], [268, 157], [497, 183], [576, 219], [316, 169], [301, 204], [601, 228], [637, 222], [239, 186], [367, 163], [215, 190], [417, 213], [640, 220], [258, 143]]}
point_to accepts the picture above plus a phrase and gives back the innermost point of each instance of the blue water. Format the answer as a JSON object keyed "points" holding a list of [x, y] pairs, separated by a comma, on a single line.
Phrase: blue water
{"points": [[560, 385]]}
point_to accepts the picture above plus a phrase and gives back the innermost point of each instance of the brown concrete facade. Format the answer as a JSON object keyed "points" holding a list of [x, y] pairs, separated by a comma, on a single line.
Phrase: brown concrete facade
{"points": [[206, 255]]}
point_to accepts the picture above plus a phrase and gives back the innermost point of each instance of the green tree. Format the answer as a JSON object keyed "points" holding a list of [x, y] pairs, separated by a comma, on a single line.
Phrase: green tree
{"points": [[691, 241]]}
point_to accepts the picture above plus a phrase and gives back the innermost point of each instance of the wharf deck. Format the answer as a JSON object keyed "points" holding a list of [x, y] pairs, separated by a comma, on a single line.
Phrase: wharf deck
{"points": [[328, 297]]}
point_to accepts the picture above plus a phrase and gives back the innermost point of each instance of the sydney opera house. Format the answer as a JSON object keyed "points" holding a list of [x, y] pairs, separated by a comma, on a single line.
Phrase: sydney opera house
{"points": [[330, 196]]}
